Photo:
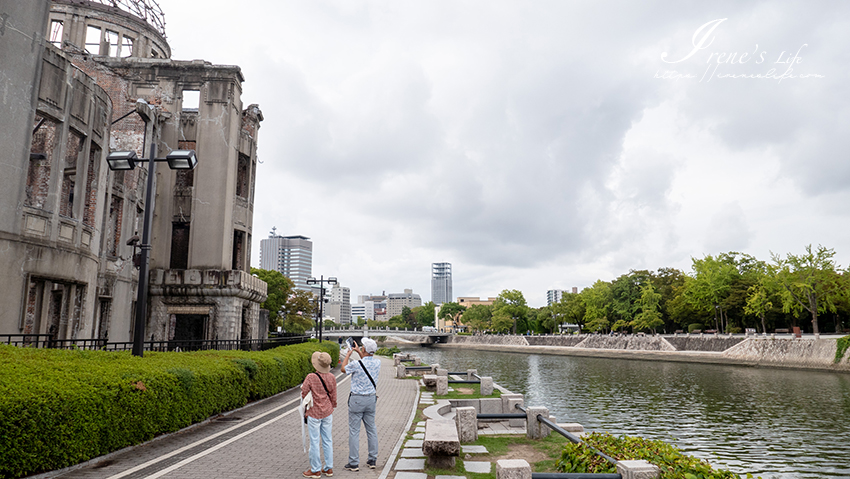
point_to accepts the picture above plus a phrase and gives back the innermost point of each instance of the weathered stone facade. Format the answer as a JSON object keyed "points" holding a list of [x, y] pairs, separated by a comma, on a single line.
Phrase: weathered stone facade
{"points": [[66, 219]]}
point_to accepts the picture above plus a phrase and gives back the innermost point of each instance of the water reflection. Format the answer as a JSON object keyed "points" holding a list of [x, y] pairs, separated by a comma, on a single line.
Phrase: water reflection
{"points": [[771, 422]]}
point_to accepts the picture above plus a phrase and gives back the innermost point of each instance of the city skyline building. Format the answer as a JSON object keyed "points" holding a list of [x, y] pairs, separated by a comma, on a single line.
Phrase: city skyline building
{"points": [[339, 304], [397, 301], [554, 296], [292, 256], [441, 283]]}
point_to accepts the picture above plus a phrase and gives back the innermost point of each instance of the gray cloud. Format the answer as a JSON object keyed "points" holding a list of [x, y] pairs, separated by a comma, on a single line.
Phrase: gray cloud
{"points": [[530, 144]]}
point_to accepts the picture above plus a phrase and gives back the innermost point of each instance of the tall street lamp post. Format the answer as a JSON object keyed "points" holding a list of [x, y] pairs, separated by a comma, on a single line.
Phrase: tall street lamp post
{"points": [[321, 282], [127, 160]]}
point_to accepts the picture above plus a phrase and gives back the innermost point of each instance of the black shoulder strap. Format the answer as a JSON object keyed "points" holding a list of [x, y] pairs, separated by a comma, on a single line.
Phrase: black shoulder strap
{"points": [[367, 374], [323, 384]]}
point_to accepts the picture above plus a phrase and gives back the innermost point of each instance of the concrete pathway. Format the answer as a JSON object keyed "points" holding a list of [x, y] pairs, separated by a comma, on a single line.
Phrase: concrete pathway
{"points": [[262, 440]]}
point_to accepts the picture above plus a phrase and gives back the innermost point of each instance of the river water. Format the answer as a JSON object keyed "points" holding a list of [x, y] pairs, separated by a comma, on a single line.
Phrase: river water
{"points": [[773, 423]]}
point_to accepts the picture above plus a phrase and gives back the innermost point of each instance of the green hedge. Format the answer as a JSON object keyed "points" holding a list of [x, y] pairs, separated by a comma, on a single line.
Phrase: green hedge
{"points": [[63, 407], [673, 464]]}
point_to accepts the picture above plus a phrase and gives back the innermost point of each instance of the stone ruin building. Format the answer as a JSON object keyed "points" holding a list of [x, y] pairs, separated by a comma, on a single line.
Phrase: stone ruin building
{"points": [[73, 72]]}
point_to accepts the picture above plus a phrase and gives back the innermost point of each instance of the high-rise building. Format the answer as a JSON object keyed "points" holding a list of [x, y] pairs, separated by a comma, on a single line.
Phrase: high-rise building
{"points": [[441, 283], [397, 301], [554, 296], [291, 255], [339, 303]]}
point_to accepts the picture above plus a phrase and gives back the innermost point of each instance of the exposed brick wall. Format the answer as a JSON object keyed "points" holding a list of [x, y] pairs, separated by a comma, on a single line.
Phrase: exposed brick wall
{"points": [[238, 250], [113, 226], [38, 174], [242, 176], [90, 206], [32, 307], [69, 178], [185, 178]]}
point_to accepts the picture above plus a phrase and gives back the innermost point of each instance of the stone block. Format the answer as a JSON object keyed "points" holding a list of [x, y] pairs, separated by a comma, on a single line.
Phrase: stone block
{"points": [[434, 368], [572, 427], [513, 469], [508, 407], [637, 470], [430, 381], [410, 465], [442, 372], [473, 403], [400, 371], [490, 406], [470, 374], [441, 445], [442, 385], [417, 361], [535, 429], [396, 359], [411, 475], [486, 386], [477, 467], [467, 424]]}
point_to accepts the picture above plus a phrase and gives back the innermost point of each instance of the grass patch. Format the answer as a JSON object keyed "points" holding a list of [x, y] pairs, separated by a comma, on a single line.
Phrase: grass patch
{"points": [[841, 348], [474, 394]]}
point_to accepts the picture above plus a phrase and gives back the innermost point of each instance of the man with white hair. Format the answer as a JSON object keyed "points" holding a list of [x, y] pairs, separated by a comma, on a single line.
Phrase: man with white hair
{"points": [[362, 401]]}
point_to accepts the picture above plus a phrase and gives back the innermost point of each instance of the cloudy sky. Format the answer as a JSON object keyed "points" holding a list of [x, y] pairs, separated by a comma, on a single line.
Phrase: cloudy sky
{"points": [[537, 145]]}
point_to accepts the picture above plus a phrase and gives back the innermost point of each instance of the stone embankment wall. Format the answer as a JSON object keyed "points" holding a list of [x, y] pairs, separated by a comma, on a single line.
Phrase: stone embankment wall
{"points": [[785, 352], [635, 343], [703, 343], [560, 340], [789, 353]]}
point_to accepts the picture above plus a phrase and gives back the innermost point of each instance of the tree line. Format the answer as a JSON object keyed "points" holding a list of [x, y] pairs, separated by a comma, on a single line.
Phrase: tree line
{"points": [[728, 292]]}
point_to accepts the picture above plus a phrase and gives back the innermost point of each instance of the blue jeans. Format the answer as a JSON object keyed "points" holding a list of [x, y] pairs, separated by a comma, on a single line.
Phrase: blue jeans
{"points": [[320, 430], [362, 408]]}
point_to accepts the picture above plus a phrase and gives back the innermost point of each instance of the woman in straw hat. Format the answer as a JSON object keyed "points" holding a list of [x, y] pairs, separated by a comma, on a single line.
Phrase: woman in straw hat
{"points": [[322, 386]]}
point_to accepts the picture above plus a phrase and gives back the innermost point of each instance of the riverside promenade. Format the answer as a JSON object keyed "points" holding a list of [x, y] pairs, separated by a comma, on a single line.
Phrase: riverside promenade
{"points": [[262, 440]]}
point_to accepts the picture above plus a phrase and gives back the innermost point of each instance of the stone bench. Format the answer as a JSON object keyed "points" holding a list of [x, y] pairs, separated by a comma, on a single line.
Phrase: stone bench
{"points": [[441, 445]]}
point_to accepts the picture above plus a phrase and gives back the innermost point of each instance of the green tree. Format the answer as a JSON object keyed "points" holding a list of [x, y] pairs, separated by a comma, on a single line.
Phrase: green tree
{"points": [[478, 317], [649, 317], [279, 289], [451, 312], [547, 318], [425, 313], [299, 312], [625, 294], [570, 308], [712, 281], [397, 321], [597, 300], [666, 282], [409, 317], [758, 302], [809, 282], [510, 304]]}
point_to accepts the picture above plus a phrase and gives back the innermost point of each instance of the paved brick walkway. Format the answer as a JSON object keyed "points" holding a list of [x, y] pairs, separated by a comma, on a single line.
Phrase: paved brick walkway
{"points": [[261, 441]]}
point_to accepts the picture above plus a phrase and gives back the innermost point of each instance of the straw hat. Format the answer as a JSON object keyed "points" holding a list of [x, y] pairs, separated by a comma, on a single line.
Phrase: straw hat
{"points": [[321, 361]]}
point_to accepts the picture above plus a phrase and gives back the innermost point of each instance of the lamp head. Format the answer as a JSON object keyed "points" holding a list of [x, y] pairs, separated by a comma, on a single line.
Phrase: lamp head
{"points": [[182, 160], [121, 160]]}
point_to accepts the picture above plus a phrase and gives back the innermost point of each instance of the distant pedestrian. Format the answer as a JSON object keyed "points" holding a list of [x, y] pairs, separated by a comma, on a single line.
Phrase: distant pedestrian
{"points": [[322, 386], [362, 402]]}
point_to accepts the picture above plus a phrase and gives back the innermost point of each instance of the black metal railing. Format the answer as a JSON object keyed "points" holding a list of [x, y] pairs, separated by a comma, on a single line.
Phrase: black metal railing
{"points": [[47, 341], [26, 340], [576, 440]]}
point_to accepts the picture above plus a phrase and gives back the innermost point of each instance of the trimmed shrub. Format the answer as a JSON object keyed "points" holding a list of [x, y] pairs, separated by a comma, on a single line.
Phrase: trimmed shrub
{"points": [[63, 407], [694, 326], [673, 464]]}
